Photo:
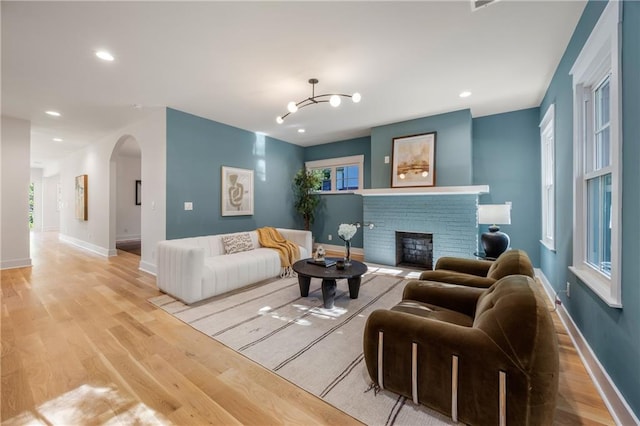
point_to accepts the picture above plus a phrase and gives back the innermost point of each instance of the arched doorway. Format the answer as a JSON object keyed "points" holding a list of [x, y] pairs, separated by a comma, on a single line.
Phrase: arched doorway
{"points": [[125, 182]]}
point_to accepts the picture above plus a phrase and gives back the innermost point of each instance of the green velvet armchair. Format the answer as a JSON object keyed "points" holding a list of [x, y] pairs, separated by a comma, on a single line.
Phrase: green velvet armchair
{"points": [[479, 273], [481, 356]]}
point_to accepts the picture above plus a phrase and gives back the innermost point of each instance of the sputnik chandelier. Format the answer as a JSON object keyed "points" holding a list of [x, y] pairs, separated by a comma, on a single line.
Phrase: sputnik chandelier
{"points": [[334, 100]]}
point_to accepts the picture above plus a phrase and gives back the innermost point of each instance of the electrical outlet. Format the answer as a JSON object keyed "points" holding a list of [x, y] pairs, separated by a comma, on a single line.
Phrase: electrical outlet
{"points": [[329, 237], [568, 289], [558, 301]]}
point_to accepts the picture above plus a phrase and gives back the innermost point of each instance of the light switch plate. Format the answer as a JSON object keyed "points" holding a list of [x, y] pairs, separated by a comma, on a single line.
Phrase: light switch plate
{"points": [[188, 205], [386, 159]]}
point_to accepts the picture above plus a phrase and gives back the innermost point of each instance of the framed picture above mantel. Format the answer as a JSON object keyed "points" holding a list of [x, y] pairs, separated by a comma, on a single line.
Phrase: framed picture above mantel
{"points": [[414, 161]]}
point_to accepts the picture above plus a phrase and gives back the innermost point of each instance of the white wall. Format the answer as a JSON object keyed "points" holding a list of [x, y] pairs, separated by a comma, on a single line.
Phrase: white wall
{"points": [[128, 214], [50, 211], [52, 168], [15, 152], [98, 233]]}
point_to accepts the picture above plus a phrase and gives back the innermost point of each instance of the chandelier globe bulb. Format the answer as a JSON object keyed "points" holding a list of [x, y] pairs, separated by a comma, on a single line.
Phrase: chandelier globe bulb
{"points": [[335, 101], [292, 107], [279, 120], [356, 97]]}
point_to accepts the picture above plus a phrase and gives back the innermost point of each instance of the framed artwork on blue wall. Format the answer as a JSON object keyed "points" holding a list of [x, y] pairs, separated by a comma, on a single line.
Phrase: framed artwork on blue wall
{"points": [[237, 192], [414, 161]]}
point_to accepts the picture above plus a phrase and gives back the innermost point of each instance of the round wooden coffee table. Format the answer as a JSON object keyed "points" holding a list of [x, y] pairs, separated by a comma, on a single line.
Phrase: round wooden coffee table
{"points": [[352, 273]]}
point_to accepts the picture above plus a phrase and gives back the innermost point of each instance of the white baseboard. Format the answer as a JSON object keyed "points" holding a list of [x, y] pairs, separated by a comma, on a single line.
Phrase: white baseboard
{"points": [[618, 407], [15, 263], [87, 246], [127, 238], [50, 228], [338, 248], [147, 267]]}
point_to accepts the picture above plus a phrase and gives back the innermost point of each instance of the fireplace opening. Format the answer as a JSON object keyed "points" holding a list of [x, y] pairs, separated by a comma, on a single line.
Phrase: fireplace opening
{"points": [[414, 249]]}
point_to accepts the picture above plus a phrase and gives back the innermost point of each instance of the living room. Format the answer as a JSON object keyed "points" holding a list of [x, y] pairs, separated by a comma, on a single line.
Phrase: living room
{"points": [[182, 154]]}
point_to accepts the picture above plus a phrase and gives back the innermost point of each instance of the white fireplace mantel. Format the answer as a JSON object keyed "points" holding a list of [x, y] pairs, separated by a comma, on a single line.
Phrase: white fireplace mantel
{"points": [[430, 190]]}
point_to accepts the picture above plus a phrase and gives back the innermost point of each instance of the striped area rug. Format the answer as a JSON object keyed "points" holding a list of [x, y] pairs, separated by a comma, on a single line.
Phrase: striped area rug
{"points": [[317, 349]]}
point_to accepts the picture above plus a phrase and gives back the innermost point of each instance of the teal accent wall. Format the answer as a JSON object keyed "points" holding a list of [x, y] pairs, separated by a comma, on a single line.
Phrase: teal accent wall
{"points": [[506, 156], [197, 148], [335, 209], [453, 147], [613, 334]]}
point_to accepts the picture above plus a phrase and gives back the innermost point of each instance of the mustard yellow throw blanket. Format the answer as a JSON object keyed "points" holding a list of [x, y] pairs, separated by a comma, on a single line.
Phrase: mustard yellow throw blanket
{"points": [[287, 250]]}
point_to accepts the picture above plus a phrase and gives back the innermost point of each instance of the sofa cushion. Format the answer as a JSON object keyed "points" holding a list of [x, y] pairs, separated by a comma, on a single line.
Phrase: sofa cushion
{"points": [[434, 312], [236, 243], [224, 273]]}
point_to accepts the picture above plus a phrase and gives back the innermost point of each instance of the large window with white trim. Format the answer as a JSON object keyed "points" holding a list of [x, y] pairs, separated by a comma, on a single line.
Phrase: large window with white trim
{"points": [[597, 154], [339, 175], [547, 150]]}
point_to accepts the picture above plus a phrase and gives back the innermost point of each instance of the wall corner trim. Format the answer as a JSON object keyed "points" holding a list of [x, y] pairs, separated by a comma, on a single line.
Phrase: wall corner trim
{"points": [[613, 399]]}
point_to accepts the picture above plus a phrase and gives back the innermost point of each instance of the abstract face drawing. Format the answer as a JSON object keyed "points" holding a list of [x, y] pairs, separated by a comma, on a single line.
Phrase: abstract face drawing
{"points": [[236, 192]]}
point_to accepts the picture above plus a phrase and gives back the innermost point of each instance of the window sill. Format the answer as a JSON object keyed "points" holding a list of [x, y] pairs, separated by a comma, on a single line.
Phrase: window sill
{"points": [[599, 284], [549, 246], [351, 191]]}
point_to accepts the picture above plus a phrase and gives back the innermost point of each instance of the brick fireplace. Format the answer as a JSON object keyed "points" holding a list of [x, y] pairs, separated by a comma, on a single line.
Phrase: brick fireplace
{"points": [[449, 214]]}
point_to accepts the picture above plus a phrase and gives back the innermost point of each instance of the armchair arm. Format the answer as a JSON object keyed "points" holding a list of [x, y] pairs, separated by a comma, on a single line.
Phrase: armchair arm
{"points": [[457, 298], [180, 268], [467, 266], [301, 238], [460, 278]]}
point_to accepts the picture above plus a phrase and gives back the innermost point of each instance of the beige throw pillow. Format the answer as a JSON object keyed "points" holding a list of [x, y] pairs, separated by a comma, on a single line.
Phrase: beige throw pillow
{"points": [[237, 243]]}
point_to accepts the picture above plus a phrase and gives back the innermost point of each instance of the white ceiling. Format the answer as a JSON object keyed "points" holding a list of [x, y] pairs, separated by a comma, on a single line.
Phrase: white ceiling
{"points": [[239, 63]]}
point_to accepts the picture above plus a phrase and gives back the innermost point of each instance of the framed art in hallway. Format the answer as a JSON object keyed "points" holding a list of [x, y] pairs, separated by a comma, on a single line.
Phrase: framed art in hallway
{"points": [[413, 161], [81, 197], [237, 191], [138, 192]]}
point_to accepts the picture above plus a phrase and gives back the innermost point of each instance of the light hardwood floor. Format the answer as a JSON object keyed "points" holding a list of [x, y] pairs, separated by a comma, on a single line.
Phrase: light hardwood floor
{"points": [[81, 345]]}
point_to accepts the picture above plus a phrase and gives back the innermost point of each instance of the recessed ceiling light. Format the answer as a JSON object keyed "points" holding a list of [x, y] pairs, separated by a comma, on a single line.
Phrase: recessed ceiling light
{"points": [[57, 139], [53, 113], [301, 130], [465, 94], [104, 55]]}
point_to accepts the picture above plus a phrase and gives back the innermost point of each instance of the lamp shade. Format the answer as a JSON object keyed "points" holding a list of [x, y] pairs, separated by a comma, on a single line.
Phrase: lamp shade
{"points": [[494, 214]]}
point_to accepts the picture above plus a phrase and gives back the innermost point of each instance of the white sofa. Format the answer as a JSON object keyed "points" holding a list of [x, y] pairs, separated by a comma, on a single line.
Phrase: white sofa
{"points": [[193, 269]]}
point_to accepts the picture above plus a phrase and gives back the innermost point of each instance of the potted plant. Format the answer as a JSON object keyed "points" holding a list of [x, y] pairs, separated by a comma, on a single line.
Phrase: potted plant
{"points": [[305, 183]]}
